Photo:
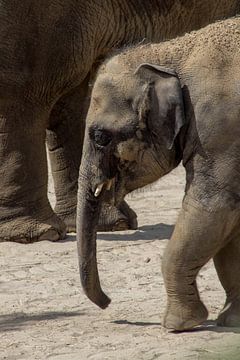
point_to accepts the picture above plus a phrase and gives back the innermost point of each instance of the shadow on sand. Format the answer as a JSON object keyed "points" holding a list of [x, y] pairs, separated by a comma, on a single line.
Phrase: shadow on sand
{"points": [[147, 232], [15, 322], [208, 325]]}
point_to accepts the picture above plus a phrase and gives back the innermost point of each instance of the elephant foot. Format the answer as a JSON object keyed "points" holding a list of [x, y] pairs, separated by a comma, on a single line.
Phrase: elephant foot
{"points": [[69, 219], [118, 218], [230, 315], [112, 218], [26, 229], [185, 317]]}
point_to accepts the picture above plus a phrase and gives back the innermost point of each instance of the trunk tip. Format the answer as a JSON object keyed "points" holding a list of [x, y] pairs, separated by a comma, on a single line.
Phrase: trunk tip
{"points": [[101, 299], [104, 301]]}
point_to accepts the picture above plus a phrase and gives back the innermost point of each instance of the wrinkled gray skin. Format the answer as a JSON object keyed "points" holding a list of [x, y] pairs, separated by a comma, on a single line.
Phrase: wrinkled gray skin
{"points": [[48, 51], [143, 120]]}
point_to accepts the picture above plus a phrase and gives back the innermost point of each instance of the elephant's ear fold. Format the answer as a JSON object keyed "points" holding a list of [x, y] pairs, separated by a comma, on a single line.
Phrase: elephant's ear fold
{"points": [[166, 113]]}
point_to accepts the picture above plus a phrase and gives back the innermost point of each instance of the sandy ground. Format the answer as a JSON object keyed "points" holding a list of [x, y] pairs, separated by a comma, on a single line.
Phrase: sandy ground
{"points": [[44, 314]]}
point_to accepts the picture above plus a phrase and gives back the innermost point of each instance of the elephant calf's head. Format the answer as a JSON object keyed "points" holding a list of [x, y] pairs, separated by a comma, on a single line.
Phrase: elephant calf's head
{"points": [[133, 121]]}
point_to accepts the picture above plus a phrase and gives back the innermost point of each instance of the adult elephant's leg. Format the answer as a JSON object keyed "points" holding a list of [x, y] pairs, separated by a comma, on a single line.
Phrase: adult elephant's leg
{"points": [[227, 263], [25, 213], [197, 237], [65, 140]]}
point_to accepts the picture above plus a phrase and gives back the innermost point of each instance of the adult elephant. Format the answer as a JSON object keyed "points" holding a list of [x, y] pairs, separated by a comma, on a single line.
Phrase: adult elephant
{"points": [[47, 52]]}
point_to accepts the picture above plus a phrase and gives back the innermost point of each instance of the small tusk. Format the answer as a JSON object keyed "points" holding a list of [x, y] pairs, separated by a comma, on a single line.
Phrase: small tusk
{"points": [[98, 190], [109, 184]]}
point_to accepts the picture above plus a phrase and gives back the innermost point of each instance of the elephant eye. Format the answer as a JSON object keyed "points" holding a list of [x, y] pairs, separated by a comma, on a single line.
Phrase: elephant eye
{"points": [[129, 102], [132, 105], [101, 137]]}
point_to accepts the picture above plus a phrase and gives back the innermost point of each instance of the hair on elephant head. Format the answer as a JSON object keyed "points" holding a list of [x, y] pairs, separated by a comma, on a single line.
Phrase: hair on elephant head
{"points": [[132, 129]]}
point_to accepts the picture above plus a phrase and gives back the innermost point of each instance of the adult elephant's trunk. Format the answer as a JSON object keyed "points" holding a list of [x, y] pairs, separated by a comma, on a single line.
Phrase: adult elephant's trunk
{"points": [[88, 212]]}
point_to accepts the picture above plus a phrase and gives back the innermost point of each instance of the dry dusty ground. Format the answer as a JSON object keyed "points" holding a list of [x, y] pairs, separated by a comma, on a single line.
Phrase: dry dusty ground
{"points": [[44, 314]]}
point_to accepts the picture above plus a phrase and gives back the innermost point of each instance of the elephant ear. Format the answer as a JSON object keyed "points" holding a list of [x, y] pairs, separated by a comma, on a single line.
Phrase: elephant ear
{"points": [[166, 110]]}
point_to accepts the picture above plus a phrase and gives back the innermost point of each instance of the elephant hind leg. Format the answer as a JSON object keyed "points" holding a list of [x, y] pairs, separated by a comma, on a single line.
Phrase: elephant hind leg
{"points": [[197, 237], [118, 218], [64, 138], [227, 263]]}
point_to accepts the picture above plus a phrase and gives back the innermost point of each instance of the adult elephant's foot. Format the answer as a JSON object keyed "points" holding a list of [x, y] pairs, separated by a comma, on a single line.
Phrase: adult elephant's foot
{"points": [[230, 315], [69, 218], [112, 218], [30, 229], [118, 218], [182, 317]]}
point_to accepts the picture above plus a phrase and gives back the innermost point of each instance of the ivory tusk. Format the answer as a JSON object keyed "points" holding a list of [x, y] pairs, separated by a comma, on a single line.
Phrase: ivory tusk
{"points": [[98, 190], [109, 184]]}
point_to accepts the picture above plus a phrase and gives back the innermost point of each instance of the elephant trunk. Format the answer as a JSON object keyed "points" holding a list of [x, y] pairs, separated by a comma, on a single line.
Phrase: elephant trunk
{"points": [[88, 212]]}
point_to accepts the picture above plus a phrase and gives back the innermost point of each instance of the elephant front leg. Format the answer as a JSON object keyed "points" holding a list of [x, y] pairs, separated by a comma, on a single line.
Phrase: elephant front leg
{"points": [[65, 141], [197, 237], [25, 213], [227, 263]]}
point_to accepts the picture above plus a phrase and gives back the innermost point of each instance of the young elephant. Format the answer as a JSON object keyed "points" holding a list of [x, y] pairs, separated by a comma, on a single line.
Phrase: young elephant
{"points": [[143, 120]]}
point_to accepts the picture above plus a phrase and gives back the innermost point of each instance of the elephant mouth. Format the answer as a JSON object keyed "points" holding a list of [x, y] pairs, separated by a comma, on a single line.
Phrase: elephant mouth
{"points": [[111, 184], [104, 185]]}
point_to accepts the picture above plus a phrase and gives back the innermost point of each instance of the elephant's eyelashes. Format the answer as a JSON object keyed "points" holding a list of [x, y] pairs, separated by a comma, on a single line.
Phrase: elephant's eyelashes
{"points": [[101, 137]]}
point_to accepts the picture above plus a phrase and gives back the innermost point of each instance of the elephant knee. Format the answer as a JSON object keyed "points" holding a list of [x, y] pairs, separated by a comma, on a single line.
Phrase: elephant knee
{"points": [[170, 263]]}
